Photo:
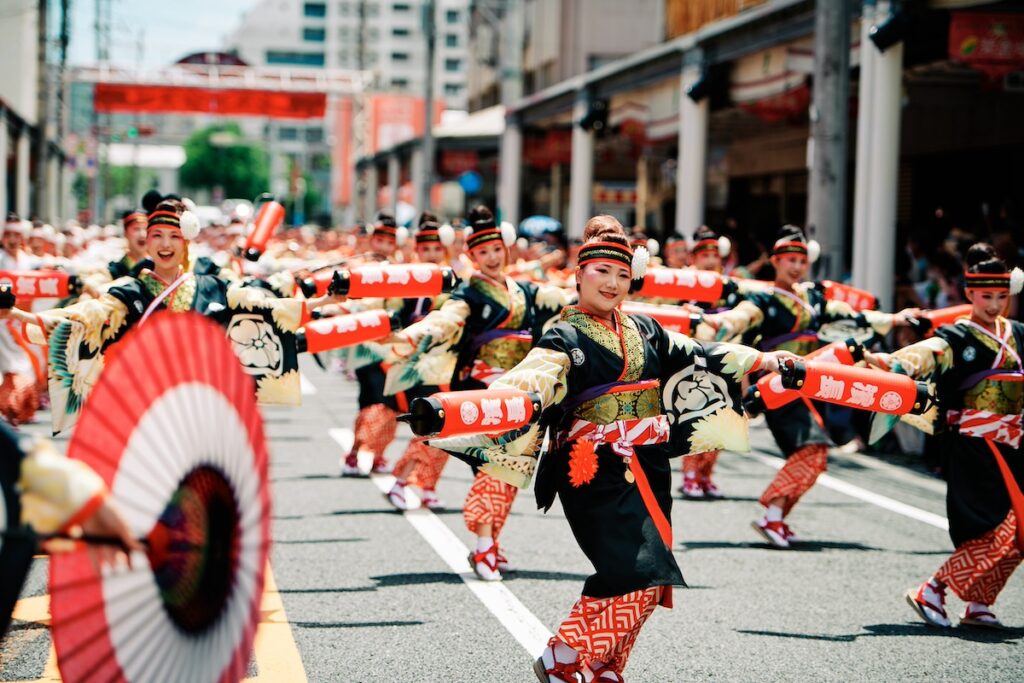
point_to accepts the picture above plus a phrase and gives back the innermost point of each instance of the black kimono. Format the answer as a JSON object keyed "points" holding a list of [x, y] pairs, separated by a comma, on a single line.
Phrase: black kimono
{"points": [[672, 395], [979, 401]]}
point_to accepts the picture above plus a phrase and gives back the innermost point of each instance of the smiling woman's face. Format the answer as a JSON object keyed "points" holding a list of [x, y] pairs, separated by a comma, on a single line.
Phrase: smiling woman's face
{"points": [[166, 247], [490, 258], [603, 286]]}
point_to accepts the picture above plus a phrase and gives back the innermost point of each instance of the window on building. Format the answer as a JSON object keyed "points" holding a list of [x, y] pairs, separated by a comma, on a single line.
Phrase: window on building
{"points": [[344, 32], [452, 16], [401, 7], [343, 57], [400, 32], [400, 83], [315, 134], [287, 58], [399, 56], [451, 40], [372, 33], [371, 9], [287, 134], [315, 9], [452, 64], [314, 35], [453, 89]]}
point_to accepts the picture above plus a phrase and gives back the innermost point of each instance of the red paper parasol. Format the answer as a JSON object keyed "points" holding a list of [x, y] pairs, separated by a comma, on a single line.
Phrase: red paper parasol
{"points": [[173, 428]]}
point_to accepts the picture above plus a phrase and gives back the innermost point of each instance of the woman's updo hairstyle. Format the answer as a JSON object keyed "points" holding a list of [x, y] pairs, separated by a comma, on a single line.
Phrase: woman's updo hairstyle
{"points": [[985, 270], [982, 258], [605, 228]]}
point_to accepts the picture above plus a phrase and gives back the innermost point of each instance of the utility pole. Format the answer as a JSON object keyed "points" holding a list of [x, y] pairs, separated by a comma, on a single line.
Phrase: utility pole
{"points": [[426, 181], [826, 197], [42, 106], [511, 73]]}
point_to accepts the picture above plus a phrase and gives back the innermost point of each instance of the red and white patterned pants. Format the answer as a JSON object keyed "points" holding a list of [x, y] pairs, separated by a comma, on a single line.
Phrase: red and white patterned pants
{"points": [[797, 476], [19, 397], [375, 428], [604, 630], [979, 568], [700, 464], [488, 502], [421, 465]]}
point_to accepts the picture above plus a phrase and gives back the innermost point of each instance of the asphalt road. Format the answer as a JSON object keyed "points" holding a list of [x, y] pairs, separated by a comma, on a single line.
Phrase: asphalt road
{"points": [[371, 594]]}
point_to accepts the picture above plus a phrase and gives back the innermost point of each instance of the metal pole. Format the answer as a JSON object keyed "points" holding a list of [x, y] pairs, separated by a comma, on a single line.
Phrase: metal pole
{"points": [[426, 180], [885, 163], [394, 173], [826, 196], [861, 195], [42, 113], [510, 168]]}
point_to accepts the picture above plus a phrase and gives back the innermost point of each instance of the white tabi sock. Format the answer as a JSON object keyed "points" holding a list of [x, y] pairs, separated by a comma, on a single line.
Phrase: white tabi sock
{"points": [[484, 543], [773, 513]]}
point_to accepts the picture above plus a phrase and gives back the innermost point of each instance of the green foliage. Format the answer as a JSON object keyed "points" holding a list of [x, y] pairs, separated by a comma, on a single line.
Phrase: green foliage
{"points": [[237, 166]]}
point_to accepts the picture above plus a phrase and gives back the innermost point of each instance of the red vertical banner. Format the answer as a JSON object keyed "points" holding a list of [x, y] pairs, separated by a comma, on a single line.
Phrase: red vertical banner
{"points": [[343, 150]]}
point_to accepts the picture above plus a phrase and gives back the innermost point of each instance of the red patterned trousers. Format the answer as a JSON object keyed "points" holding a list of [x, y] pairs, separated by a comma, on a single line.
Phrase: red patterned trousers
{"points": [[797, 476], [375, 428], [700, 464], [421, 465], [604, 630], [19, 397], [488, 502], [979, 568]]}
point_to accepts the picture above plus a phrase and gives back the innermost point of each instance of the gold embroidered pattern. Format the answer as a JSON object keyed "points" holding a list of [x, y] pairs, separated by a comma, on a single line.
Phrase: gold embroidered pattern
{"points": [[802, 315], [622, 405], [182, 298], [506, 352], [502, 297], [603, 336], [1005, 398]]}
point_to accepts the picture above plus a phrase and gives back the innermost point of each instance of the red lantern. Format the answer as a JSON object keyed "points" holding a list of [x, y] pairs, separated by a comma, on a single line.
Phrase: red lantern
{"points": [[858, 299], [672, 318], [268, 218], [853, 387], [770, 391], [35, 284], [682, 284], [341, 331], [484, 411], [403, 281]]}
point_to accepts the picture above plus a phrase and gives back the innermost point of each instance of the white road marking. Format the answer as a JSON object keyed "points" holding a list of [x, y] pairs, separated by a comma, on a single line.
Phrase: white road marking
{"points": [[857, 492], [306, 388], [524, 626]]}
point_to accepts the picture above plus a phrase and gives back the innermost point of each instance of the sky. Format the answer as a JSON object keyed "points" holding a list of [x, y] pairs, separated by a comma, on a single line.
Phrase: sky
{"points": [[170, 29]]}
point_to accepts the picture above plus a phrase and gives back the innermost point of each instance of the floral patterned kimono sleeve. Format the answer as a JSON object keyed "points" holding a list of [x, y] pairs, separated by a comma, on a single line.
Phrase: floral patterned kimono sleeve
{"points": [[878, 321], [923, 361], [262, 330], [76, 336], [736, 321], [512, 457], [427, 356], [701, 393]]}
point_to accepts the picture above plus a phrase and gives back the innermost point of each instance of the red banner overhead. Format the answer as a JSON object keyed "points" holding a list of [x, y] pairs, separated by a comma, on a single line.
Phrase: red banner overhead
{"points": [[991, 43], [112, 98]]}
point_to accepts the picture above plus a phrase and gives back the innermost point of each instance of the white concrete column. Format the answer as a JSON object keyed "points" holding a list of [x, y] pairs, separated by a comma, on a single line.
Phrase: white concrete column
{"points": [[581, 170], [21, 174], [884, 167], [693, 142], [417, 169], [372, 181], [510, 170], [4, 151], [54, 194], [394, 178], [641, 192], [555, 210], [861, 198]]}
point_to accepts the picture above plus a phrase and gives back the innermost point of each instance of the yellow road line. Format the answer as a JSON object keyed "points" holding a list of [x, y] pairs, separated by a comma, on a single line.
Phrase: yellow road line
{"points": [[277, 657]]}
